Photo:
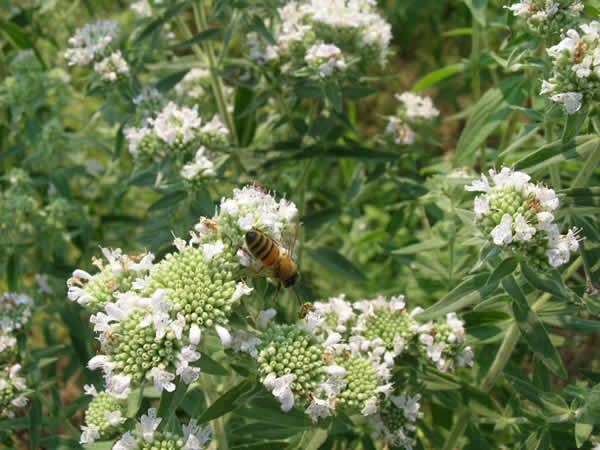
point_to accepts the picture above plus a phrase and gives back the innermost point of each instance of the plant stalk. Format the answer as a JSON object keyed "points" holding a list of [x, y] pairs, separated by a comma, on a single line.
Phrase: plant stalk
{"points": [[502, 357], [211, 394]]}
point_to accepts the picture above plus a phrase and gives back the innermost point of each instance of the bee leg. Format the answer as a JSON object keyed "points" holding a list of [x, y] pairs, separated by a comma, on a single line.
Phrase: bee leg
{"points": [[277, 292]]}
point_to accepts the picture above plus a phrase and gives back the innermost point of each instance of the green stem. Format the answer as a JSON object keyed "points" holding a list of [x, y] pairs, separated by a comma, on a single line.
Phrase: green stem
{"points": [[476, 79], [217, 84], [211, 395], [502, 357], [302, 185]]}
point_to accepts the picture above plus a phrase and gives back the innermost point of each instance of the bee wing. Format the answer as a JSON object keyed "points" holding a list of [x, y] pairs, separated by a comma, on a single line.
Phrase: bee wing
{"points": [[289, 240]]}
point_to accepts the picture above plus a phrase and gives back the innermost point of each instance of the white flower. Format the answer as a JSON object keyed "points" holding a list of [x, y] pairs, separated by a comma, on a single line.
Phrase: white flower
{"points": [[264, 317], [114, 418], [545, 219], [201, 166], [319, 408], [409, 405], [118, 386], [149, 424], [241, 290], [176, 125], [194, 436], [313, 320], [547, 87], [142, 8], [547, 197], [280, 387], [336, 371], [482, 206], [417, 106], [89, 435], [370, 407], [523, 231], [134, 137], [332, 387], [212, 249], [224, 335], [327, 56], [101, 362], [188, 373], [127, 442], [466, 357], [90, 389], [112, 67], [215, 125], [482, 185], [502, 233], [572, 101], [244, 342], [195, 334], [42, 280], [91, 41], [162, 379]]}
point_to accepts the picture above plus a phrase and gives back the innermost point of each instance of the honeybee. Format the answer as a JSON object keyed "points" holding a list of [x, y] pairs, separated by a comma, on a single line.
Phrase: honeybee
{"points": [[282, 268], [305, 309]]}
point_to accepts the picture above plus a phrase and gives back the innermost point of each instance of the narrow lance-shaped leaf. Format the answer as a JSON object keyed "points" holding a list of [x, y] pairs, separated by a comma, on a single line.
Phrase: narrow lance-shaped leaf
{"points": [[336, 262], [532, 329]]}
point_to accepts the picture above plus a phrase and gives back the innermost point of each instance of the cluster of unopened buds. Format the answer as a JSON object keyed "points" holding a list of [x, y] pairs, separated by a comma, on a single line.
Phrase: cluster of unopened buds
{"points": [[519, 217], [575, 76], [546, 16], [15, 315]]}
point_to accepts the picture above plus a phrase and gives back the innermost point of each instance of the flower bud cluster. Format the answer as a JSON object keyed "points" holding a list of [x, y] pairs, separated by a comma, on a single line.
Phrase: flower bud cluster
{"points": [[15, 314], [177, 129], [104, 417], [195, 84], [142, 8], [546, 16], [203, 165], [414, 110], [13, 390], [92, 42], [519, 217], [312, 29], [146, 436], [575, 75], [395, 423], [94, 292], [113, 67]]}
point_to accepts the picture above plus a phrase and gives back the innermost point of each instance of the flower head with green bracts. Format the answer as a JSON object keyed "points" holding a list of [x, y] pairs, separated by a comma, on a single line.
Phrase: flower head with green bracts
{"points": [[395, 422], [547, 17], [8, 347], [575, 76], [118, 275], [91, 42], [104, 417], [518, 216], [15, 312], [13, 390], [146, 436], [353, 27]]}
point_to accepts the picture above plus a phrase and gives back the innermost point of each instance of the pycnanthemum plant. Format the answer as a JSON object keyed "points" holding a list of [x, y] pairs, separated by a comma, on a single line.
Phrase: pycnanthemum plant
{"points": [[547, 16], [104, 417], [416, 111], [13, 389], [575, 76], [518, 216]]}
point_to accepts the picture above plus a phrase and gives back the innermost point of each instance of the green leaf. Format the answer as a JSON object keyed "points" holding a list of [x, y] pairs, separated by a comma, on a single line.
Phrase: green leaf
{"points": [[16, 35], [336, 262], [532, 329], [312, 439], [438, 75], [478, 10], [206, 35], [431, 244], [11, 273], [554, 286], [473, 289], [158, 23], [225, 403], [582, 432], [312, 222], [167, 83], [209, 365], [244, 119], [60, 443], [558, 151], [258, 25], [169, 401], [35, 422], [486, 117], [504, 269], [169, 200], [100, 445]]}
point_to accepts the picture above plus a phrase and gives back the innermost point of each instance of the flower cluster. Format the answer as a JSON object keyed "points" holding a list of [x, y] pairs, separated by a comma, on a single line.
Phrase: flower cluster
{"points": [[546, 16], [575, 76], [175, 128], [395, 423], [12, 390], [92, 42], [203, 165], [142, 8], [384, 325], [195, 84], [150, 317], [15, 312], [94, 292], [112, 67], [312, 29], [325, 58], [104, 417], [146, 436], [414, 110], [519, 217]]}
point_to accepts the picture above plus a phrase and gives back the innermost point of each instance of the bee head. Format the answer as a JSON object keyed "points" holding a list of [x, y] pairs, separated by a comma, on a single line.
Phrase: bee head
{"points": [[291, 281], [251, 236]]}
